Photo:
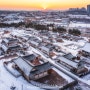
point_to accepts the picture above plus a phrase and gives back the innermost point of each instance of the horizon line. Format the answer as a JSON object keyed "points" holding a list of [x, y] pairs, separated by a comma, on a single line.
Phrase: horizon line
{"points": [[38, 9]]}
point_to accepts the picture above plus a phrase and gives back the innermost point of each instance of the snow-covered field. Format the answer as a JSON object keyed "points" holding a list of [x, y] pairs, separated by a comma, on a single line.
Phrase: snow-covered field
{"points": [[7, 80], [79, 25]]}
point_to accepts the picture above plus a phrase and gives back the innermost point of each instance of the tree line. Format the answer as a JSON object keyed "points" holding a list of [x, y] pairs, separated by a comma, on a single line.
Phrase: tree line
{"points": [[36, 26]]}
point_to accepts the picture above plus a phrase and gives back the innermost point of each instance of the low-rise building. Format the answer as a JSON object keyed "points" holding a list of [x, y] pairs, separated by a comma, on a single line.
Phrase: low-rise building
{"points": [[32, 67], [77, 68], [11, 46], [86, 50]]}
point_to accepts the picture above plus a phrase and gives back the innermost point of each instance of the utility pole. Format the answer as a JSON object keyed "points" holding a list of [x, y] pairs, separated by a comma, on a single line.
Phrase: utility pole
{"points": [[22, 86]]}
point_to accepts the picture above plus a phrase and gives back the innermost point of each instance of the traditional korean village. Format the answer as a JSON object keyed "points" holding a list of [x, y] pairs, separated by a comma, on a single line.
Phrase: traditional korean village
{"points": [[45, 50]]}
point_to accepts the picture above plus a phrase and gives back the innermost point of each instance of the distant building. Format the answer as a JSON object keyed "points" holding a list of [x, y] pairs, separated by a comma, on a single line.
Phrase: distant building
{"points": [[77, 11], [88, 9]]}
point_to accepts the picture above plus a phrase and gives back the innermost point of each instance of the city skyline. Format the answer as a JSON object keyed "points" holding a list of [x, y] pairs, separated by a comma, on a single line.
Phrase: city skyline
{"points": [[42, 5]]}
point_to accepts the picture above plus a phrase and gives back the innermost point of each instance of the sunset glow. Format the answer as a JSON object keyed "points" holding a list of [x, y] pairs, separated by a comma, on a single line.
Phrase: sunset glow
{"points": [[42, 4]]}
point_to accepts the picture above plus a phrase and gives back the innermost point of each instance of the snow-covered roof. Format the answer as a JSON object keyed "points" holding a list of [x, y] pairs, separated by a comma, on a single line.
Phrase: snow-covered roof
{"points": [[10, 40], [44, 48], [29, 57], [35, 43], [40, 68], [4, 48], [24, 66], [6, 40], [69, 62], [86, 47], [14, 47], [69, 56]]}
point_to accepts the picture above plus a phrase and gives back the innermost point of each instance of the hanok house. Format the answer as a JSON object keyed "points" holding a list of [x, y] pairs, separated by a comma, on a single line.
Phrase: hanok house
{"points": [[10, 41], [48, 49], [10, 45], [11, 49], [25, 38], [74, 67], [31, 68], [85, 51], [34, 43]]}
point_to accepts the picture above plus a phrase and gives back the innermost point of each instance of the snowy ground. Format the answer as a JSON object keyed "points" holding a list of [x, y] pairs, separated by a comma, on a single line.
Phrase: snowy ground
{"points": [[79, 25], [7, 80], [71, 46]]}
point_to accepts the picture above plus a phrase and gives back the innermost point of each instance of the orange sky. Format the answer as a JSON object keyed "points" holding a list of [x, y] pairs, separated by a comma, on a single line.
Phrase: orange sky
{"points": [[42, 4]]}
